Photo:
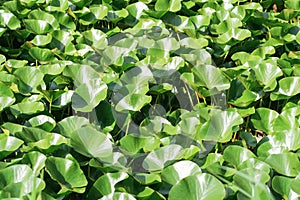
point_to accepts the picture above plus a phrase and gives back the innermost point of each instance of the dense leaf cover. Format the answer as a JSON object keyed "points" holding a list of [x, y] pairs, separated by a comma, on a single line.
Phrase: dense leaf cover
{"points": [[149, 99]]}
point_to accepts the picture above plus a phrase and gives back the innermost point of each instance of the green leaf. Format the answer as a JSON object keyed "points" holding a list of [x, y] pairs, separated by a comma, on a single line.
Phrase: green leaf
{"points": [[41, 40], [95, 38], [62, 40], [42, 121], [87, 96], [92, 15], [41, 54], [287, 120], [27, 108], [133, 102], [62, 99], [6, 96], [198, 187], [162, 157], [105, 116], [8, 144], [288, 87], [29, 78], [254, 163], [36, 160], [81, 74], [211, 159], [298, 37], [210, 77], [2, 31], [189, 42], [53, 69], [18, 180], [263, 119], [115, 16], [264, 51], [91, 143], [147, 179], [38, 27], [168, 5], [80, 4], [7, 19], [31, 3], [295, 184], [252, 184], [118, 196], [247, 98], [286, 164], [2, 58], [135, 11], [64, 20], [180, 170], [200, 20], [220, 126], [67, 172], [292, 4], [234, 33], [237, 154], [13, 63], [249, 138], [41, 15], [105, 184], [71, 124], [133, 143], [35, 137], [267, 74], [282, 185], [287, 139], [99, 11], [58, 5], [12, 127]]}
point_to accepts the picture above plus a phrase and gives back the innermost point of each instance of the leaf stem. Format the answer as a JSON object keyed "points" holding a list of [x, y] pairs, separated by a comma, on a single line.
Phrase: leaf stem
{"points": [[127, 128]]}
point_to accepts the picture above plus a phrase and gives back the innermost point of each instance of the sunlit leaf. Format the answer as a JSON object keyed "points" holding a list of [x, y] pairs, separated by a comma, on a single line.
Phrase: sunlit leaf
{"points": [[67, 172], [90, 142], [197, 187], [263, 118], [8, 144], [180, 170], [158, 159], [286, 164], [105, 184], [237, 154], [6, 96], [18, 180]]}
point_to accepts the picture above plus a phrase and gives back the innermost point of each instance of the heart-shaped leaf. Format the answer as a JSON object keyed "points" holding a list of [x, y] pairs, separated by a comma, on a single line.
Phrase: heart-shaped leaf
{"points": [[219, 126], [18, 180], [198, 187], [160, 158], [237, 154], [87, 96], [29, 78], [42, 121], [105, 184], [210, 77], [67, 172], [263, 119], [91, 143], [180, 170], [287, 87], [8, 144], [282, 185], [6, 96], [286, 164]]}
